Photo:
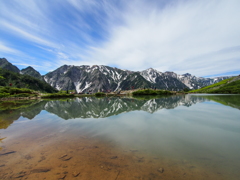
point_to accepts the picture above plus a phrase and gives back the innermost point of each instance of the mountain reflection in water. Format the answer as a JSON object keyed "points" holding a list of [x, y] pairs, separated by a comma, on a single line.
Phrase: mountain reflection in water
{"points": [[91, 107]]}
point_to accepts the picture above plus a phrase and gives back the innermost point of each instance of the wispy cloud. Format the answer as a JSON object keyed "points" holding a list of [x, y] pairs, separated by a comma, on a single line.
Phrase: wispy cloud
{"points": [[6, 49], [200, 37], [183, 37]]}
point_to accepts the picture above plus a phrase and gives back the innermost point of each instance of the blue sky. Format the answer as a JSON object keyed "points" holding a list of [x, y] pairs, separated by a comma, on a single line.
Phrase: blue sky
{"points": [[199, 37]]}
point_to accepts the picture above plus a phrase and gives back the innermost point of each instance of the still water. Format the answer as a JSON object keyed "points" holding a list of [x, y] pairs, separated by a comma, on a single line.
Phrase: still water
{"points": [[175, 137]]}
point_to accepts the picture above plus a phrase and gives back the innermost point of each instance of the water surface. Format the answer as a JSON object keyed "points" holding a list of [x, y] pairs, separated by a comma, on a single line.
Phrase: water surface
{"points": [[175, 137]]}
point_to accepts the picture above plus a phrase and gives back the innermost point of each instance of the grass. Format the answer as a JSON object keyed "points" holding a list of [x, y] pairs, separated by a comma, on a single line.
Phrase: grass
{"points": [[57, 95], [16, 92], [227, 86]]}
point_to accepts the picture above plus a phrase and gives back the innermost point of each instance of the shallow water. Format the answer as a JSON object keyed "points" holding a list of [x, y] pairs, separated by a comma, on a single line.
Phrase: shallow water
{"points": [[176, 137]]}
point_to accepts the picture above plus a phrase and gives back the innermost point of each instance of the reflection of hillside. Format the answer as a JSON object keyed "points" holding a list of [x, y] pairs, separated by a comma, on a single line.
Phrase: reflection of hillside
{"points": [[33, 110], [229, 100], [11, 111], [105, 107]]}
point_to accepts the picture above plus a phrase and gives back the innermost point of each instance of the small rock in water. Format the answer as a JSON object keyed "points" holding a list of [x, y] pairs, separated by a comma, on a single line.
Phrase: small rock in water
{"points": [[62, 176], [64, 155], [20, 174], [113, 157], [75, 174], [161, 170], [40, 170], [66, 158], [10, 152]]}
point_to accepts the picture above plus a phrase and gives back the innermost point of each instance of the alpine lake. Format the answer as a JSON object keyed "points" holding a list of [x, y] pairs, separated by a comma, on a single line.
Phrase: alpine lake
{"points": [[194, 136]]}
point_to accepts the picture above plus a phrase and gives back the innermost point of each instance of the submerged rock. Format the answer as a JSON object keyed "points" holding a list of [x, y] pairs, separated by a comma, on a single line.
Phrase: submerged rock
{"points": [[75, 174], [40, 170], [113, 157], [161, 170]]}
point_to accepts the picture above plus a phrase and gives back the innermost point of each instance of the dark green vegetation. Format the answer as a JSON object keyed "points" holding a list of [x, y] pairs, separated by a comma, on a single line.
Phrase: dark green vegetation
{"points": [[151, 92], [58, 95], [32, 72], [227, 86], [16, 92], [24, 81], [100, 94]]}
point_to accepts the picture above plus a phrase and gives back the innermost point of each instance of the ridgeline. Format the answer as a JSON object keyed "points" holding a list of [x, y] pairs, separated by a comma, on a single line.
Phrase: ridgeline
{"points": [[227, 86]]}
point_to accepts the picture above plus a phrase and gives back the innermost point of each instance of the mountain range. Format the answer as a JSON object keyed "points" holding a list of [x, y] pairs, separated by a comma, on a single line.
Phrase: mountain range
{"points": [[96, 78]]}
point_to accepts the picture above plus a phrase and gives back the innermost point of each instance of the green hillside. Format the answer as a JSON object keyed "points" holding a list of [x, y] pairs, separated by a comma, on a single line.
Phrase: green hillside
{"points": [[227, 86], [16, 80]]}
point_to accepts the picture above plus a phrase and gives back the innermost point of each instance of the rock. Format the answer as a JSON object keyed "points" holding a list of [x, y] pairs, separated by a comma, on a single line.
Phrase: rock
{"points": [[64, 155], [10, 152], [75, 174], [20, 174], [40, 170], [113, 157], [62, 176], [161, 170], [2, 165], [66, 158]]}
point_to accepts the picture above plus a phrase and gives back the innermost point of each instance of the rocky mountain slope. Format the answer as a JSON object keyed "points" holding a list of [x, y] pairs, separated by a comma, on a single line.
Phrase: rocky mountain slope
{"points": [[8, 66], [104, 78], [227, 86]]}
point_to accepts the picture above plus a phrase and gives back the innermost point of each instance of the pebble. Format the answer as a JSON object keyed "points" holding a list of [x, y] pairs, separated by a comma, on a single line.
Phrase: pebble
{"points": [[75, 174], [62, 176], [40, 170], [64, 155], [113, 157], [161, 170]]}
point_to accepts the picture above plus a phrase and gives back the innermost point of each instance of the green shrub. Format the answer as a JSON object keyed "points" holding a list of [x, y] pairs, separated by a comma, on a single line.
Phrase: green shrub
{"points": [[19, 90], [3, 94], [57, 95], [151, 92], [21, 95], [100, 94], [13, 90]]}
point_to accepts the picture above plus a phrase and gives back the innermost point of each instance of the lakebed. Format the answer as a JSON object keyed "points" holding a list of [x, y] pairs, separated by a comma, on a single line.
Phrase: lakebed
{"points": [[174, 137]]}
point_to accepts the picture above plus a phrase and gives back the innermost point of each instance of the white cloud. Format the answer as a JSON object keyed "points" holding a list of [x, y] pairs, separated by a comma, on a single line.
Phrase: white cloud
{"points": [[183, 37], [200, 37]]}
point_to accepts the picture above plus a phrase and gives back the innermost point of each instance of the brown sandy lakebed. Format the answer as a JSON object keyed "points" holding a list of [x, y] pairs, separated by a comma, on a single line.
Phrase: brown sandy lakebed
{"points": [[86, 158]]}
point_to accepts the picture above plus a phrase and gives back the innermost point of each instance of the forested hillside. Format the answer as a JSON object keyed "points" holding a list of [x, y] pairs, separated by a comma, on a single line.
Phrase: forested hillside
{"points": [[10, 78]]}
